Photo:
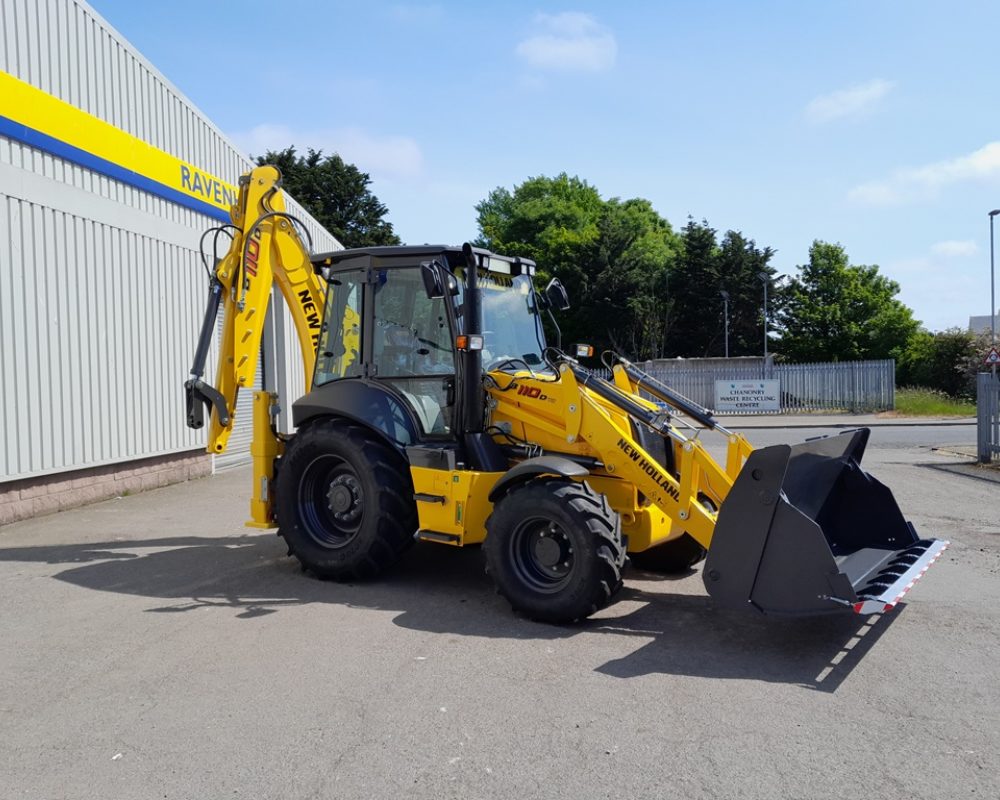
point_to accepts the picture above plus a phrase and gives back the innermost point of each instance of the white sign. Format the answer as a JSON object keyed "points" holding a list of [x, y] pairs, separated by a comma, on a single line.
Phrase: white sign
{"points": [[740, 397], [992, 357]]}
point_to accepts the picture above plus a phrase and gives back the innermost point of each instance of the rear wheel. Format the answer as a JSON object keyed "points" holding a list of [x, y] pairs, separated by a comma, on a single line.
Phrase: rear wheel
{"points": [[344, 501], [554, 549]]}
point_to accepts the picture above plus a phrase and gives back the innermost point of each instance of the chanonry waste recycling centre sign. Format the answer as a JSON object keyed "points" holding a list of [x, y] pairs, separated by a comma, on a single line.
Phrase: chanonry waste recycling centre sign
{"points": [[740, 397]]}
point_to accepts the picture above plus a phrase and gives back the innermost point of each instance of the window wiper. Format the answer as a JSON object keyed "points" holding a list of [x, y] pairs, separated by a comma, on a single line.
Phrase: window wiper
{"points": [[435, 345]]}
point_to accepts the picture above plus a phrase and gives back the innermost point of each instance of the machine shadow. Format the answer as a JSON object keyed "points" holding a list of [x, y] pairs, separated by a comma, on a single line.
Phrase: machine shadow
{"points": [[445, 590], [689, 635]]}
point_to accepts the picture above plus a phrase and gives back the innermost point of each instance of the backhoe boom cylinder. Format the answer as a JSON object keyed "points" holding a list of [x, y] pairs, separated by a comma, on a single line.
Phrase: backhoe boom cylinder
{"points": [[207, 328]]}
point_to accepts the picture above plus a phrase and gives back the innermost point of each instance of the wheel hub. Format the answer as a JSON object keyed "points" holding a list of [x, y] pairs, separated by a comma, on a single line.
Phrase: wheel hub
{"points": [[344, 498], [552, 551]]}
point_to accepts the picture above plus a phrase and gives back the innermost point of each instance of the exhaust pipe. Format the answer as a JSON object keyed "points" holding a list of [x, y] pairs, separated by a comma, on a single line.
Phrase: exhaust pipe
{"points": [[805, 530]]}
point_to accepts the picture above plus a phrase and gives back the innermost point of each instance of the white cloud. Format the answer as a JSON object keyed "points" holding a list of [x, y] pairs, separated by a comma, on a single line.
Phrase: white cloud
{"points": [[955, 248], [381, 156], [851, 102], [918, 183], [569, 42]]}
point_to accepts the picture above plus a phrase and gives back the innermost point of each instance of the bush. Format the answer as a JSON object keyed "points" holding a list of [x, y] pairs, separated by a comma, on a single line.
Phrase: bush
{"points": [[946, 361]]}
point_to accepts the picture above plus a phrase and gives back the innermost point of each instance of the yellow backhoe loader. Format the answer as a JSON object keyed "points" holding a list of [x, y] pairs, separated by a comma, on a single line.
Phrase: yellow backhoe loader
{"points": [[434, 410]]}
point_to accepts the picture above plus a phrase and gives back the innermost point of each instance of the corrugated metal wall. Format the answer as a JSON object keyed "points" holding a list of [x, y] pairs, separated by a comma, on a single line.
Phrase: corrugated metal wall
{"points": [[101, 287]]}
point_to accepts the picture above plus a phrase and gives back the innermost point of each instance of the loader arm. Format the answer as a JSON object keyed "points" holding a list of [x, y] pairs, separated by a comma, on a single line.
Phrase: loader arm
{"points": [[625, 458], [266, 250], [788, 529]]}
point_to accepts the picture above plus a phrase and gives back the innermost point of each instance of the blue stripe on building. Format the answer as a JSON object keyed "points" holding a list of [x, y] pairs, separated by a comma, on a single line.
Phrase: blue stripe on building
{"points": [[60, 149]]}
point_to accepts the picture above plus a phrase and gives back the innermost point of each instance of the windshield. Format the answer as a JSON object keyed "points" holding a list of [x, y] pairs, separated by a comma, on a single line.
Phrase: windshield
{"points": [[512, 330]]}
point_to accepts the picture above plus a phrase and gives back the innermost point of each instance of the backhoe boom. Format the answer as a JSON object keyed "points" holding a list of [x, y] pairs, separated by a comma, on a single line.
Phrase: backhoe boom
{"points": [[266, 250]]}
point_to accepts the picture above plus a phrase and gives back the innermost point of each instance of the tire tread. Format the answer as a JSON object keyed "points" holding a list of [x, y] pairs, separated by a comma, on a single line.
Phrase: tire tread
{"points": [[395, 517], [592, 513]]}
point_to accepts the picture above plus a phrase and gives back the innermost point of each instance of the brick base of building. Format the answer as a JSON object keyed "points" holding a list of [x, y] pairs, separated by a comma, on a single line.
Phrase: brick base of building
{"points": [[32, 497]]}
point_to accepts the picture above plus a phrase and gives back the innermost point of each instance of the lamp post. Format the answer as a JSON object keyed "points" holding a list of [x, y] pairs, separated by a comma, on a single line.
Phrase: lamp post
{"points": [[764, 277], [993, 296], [725, 313]]}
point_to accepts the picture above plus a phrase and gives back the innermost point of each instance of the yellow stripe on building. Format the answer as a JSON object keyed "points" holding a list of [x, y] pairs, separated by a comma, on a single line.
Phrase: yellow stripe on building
{"points": [[29, 106]]}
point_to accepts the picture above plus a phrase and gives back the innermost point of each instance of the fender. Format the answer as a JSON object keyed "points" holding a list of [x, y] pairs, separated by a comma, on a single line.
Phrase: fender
{"points": [[533, 467], [367, 403]]}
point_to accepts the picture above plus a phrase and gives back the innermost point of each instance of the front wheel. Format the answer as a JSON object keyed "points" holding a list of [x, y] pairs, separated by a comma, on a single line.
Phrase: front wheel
{"points": [[344, 501], [554, 549]]}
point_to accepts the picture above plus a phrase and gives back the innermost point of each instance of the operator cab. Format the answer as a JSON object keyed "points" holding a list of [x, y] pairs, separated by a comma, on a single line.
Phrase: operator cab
{"points": [[387, 350]]}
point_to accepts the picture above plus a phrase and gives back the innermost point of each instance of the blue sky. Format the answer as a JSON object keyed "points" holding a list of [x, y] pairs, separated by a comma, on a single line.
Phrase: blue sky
{"points": [[874, 124]]}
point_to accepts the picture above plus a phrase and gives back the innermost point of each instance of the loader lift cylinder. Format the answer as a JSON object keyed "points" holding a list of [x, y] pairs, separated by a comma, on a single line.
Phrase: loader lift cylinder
{"points": [[661, 391], [613, 395]]}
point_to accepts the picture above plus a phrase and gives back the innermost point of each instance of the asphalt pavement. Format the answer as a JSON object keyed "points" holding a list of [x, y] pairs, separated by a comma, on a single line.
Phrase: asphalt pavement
{"points": [[152, 647]]}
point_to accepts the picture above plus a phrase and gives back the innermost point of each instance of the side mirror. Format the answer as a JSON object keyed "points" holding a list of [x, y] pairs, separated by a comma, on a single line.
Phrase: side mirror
{"points": [[556, 296], [433, 284]]}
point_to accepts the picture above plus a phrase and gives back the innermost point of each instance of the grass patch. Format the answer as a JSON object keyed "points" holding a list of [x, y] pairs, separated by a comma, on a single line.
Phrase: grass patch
{"points": [[919, 402]]}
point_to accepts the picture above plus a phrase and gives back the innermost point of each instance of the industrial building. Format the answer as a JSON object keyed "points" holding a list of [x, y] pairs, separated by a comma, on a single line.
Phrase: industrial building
{"points": [[984, 324], [108, 178]]}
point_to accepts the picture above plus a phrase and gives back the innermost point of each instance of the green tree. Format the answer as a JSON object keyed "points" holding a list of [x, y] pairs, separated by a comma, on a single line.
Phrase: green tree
{"points": [[632, 256], [612, 256], [553, 221], [839, 312], [694, 292], [336, 194], [703, 271], [741, 263]]}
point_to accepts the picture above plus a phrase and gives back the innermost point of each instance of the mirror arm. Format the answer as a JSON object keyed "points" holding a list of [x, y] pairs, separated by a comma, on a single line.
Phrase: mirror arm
{"points": [[555, 325]]}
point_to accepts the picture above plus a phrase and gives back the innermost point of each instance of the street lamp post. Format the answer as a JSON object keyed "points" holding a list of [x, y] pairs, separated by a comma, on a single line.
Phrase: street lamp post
{"points": [[993, 296], [764, 277], [725, 312]]}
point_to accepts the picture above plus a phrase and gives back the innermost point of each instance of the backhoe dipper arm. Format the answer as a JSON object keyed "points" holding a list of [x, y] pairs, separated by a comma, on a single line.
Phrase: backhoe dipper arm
{"points": [[266, 250]]}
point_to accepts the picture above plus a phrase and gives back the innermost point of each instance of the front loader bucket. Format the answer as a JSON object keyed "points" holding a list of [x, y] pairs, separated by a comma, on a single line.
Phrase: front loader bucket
{"points": [[805, 530]]}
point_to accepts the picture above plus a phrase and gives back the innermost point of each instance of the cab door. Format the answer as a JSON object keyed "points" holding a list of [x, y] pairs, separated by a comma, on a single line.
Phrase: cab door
{"points": [[413, 349]]}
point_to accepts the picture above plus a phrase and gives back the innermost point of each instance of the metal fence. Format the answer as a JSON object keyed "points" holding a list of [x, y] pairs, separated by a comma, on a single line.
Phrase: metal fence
{"points": [[988, 405], [857, 386], [854, 386]]}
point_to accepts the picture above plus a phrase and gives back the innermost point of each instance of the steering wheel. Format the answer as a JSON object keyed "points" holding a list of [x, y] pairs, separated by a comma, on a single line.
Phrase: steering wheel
{"points": [[496, 362]]}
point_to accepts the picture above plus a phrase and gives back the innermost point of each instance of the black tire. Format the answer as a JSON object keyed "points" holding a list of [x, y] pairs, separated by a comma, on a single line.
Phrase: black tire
{"points": [[676, 556], [345, 501], [554, 549]]}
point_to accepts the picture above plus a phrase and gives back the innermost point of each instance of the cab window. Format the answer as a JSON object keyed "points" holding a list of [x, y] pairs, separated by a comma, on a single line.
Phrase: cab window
{"points": [[339, 352], [412, 347]]}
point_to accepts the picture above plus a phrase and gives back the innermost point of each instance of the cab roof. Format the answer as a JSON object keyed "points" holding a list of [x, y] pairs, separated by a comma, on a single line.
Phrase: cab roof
{"points": [[412, 255]]}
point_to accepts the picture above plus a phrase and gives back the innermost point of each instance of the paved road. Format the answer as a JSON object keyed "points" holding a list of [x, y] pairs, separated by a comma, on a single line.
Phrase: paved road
{"points": [[154, 648], [892, 442]]}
